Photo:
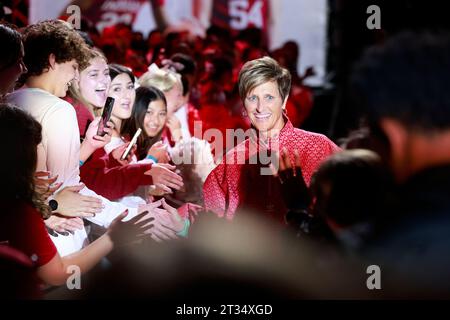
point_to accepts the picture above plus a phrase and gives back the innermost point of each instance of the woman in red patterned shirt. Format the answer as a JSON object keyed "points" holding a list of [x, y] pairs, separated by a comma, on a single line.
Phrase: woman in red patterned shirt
{"points": [[243, 179]]}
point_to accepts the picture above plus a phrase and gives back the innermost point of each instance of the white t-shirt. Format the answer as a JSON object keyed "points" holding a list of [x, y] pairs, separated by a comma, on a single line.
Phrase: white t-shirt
{"points": [[59, 153]]}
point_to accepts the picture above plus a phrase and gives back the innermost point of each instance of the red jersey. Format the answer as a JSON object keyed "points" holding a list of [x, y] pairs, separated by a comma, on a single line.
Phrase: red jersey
{"points": [[106, 13], [240, 14], [107, 177]]}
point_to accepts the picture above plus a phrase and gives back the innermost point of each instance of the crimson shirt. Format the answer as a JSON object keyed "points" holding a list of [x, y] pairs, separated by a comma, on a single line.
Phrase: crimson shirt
{"points": [[105, 176], [234, 185], [22, 228]]}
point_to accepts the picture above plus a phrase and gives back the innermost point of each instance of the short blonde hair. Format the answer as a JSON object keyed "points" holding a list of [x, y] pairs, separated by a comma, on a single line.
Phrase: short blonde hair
{"points": [[164, 80], [259, 71]]}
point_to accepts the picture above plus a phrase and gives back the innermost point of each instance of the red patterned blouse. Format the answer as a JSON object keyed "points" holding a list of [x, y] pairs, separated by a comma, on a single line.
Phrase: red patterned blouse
{"points": [[242, 179]]}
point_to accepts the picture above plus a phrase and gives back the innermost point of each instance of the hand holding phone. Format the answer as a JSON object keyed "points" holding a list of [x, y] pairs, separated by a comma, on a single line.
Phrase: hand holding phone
{"points": [[132, 143], [106, 115]]}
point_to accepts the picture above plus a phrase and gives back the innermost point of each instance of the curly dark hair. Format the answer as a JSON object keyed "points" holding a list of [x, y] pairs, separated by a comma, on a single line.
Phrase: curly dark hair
{"points": [[18, 167], [52, 37]]}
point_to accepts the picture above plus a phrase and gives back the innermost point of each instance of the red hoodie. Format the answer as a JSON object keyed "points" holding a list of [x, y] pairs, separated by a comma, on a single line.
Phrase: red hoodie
{"points": [[107, 177]]}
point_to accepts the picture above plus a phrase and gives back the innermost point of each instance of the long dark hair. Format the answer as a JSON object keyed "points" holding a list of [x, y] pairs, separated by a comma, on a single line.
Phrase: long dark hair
{"points": [[12, 40], [18, 164], [116, 69], [144, 96]]}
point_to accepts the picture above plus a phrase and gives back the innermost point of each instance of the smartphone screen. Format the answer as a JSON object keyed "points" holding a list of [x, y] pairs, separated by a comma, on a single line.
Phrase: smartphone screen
{"points": [[106, 115]]}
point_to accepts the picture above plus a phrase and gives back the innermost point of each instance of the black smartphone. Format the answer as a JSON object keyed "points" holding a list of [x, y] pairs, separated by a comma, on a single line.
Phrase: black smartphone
{"points": [[106, 115]]}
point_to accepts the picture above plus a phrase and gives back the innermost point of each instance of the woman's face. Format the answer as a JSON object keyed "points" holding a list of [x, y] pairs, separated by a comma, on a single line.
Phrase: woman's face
{"points": [[122, 90], [264, 107], [155, 118], [11, 74], [174, 98], [94, 82]]}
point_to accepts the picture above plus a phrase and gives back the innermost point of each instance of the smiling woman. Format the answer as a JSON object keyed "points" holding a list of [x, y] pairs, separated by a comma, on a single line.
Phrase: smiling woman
{"points": [[264, 88], [149, 114], [92, 87], [89, 93]]}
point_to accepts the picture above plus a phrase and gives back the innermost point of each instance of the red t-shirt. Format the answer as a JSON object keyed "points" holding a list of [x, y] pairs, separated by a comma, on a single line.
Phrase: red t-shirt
{"points": [[22, 228], [84, 116]]}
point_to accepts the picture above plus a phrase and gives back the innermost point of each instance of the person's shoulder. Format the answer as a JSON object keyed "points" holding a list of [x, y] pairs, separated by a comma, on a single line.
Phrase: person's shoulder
{"points": [[37, 100], [60, 103], [313, 137], [59, 109]]}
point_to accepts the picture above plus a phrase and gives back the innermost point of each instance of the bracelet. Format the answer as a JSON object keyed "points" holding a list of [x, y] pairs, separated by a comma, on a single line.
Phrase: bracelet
{"points": [[152, 158], [184, 233], [81, 163]]}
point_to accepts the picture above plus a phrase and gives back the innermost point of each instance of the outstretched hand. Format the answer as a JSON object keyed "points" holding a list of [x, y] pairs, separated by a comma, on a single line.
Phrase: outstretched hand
{"points": [[44, 185], [71, 203], [164, 178], [159, 151], [63, 225], [126, 232], [167, 221]]}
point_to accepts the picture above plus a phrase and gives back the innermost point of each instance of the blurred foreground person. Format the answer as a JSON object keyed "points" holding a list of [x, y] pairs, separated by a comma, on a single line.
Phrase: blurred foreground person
{"points": [[347, 194], [249, 258], [404, 87]]}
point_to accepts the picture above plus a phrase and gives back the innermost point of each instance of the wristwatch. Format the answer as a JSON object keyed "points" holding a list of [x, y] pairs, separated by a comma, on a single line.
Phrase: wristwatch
{"points": [[53, 204]]}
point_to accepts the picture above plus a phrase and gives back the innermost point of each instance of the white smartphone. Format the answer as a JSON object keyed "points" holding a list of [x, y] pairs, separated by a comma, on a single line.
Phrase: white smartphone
{"points": [[132, 143]]}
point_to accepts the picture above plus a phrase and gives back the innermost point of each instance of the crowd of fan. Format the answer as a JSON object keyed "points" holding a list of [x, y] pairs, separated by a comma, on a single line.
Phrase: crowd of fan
{"points": [[384, 202]]}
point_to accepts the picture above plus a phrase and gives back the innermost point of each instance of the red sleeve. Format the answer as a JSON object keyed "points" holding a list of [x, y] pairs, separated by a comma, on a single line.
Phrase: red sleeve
{"points": [[32, 238], [213, 193], [104, 175]]}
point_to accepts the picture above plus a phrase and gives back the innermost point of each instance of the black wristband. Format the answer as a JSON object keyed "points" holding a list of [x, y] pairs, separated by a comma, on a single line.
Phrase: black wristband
{"points": [[53, 204]]}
